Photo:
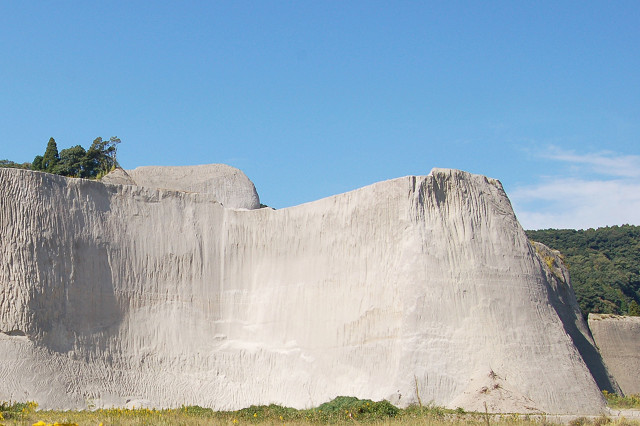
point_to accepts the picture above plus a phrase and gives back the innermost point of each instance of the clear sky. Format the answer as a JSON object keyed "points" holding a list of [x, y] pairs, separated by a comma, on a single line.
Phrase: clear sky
{"points": [[314, 98]]}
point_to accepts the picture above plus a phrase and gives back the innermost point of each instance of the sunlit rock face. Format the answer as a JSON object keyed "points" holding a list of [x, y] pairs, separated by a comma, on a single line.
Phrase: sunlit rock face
{"points": [[116, 294], [230, 186], [618, 338]]}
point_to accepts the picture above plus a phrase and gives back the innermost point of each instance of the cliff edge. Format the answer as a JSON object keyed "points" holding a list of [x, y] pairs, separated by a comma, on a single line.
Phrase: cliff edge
{"points": [[230, 186]]}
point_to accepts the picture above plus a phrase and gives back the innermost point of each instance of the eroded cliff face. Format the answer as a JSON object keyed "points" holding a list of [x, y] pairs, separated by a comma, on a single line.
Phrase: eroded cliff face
{"points": [[120, 294], [618, 338], [563, 299]]}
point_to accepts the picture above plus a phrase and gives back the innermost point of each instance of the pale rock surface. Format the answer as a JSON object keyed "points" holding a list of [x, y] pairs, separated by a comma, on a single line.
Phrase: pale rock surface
{"points": [[229, 185], [118, 176], [421, 285], [618, 338], [566, 305]]}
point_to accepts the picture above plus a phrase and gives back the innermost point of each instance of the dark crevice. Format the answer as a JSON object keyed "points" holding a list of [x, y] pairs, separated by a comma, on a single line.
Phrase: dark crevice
{"points": [[14, 333]]}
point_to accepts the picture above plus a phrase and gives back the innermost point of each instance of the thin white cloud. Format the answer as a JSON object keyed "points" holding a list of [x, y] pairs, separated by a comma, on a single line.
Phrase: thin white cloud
{"points": [[577, 204], [604, 163], [610, 198]]}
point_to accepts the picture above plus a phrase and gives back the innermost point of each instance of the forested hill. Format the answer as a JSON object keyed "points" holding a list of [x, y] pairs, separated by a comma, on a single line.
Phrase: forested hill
{"points": [[604, 264]]}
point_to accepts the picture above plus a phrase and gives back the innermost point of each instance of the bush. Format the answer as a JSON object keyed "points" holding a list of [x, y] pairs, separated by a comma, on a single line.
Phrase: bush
{"points": [[362, 408], [616, 401], [580, 421], [16, 410]]}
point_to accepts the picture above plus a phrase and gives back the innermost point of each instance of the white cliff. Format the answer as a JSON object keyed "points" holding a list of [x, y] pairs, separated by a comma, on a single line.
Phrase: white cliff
{"points": [[230, 186], [618, 339], [120, 294]]}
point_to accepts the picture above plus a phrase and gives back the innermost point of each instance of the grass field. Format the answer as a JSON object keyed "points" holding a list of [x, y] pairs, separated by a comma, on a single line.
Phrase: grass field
{"points": [[340, 411]]}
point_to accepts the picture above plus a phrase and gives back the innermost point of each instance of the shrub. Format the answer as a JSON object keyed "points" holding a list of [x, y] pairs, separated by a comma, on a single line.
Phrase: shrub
{"points": [[580, 421], [616, 401], [362, 408]]}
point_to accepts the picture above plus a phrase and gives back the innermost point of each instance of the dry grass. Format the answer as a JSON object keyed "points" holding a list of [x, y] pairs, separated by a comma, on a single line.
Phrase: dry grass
{"points": [[346, 411], [617, 401]]}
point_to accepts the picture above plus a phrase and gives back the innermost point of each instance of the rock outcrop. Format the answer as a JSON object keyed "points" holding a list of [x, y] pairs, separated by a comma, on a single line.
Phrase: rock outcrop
{"points": [[230, 186], [566, 305], [120, 294], [618, 338]]}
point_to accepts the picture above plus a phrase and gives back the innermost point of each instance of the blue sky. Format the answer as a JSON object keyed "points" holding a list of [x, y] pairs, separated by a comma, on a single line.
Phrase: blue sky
{"points": [[314, 98]]}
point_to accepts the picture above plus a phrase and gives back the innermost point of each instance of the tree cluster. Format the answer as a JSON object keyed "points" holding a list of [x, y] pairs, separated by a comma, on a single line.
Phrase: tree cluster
{"points": [[97, 161], [604, 265], [13, 165]]}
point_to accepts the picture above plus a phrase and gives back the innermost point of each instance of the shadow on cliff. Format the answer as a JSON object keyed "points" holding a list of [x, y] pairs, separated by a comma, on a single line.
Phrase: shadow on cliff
{"points": [[73, 303], [560, 300]]}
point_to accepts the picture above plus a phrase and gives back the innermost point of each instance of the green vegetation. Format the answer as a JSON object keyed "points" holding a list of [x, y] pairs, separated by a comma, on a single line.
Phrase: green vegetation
{"points": [[17, 410], [604, 265], [93, 163], [342, 410], [360, 408], [12, 165], [616, 401]]}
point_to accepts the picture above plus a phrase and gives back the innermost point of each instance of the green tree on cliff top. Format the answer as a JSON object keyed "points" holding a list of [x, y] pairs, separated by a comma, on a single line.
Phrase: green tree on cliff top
{"points": [[93, 163], [48, 162]]}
